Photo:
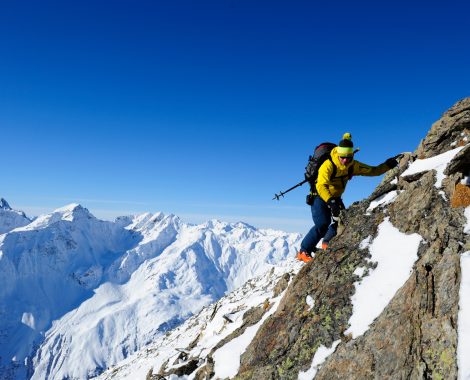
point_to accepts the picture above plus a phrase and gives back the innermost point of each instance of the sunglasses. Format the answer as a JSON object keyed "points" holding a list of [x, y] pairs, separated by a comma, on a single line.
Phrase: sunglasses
{"points": [[346, 158]]}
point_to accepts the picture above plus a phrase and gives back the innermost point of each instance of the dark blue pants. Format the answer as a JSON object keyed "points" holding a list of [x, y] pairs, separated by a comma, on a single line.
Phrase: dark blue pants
{"points": [[322, 226]]}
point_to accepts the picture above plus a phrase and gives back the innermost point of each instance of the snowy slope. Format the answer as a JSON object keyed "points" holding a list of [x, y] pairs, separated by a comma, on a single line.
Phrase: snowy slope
{"points": [[47, 268], [210, 327], [11, 219], [87, 293]]}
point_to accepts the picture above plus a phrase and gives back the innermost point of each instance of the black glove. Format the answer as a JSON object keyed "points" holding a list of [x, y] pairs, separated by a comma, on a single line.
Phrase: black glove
{"points": [[391, 162], [335, 205]]}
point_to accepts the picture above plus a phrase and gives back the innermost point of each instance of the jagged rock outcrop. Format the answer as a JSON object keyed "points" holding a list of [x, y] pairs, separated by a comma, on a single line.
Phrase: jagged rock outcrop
{"points": [[4, 204], [452, 128], [415, 336]]}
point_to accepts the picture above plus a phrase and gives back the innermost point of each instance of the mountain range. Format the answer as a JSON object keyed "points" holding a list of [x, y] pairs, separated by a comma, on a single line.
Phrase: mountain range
{"points": [[78, 294]]}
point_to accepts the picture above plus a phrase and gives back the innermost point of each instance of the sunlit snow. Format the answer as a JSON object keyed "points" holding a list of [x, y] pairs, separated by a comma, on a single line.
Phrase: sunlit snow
{"points": [[466, 228], [310, 302], [227, 358], [438, 163], [395, 254], [320, 356], [360, 271], [463, 345], [382, 200], [365, 243]]}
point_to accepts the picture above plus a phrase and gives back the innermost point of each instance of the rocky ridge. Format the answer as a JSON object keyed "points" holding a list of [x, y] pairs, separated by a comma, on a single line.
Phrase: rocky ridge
{"points": [[416, 335], [191, 350]]}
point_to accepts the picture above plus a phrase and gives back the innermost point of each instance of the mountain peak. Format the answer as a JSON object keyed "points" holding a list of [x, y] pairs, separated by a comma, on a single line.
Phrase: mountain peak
{"points": [[449, 132], [11, 219], [4, 204], [69, 208], [73, 211]]}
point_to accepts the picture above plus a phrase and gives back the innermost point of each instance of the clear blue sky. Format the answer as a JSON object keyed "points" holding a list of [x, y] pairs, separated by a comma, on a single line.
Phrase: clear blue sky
{"points": [[205, 109]]}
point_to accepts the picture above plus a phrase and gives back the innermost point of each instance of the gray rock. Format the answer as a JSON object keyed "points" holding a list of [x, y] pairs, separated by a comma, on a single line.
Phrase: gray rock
{"points": [[460, 163], [452, 128]]}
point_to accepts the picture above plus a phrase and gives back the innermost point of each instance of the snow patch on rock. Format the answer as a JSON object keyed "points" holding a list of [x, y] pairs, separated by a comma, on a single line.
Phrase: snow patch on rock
{"points": [[395, 254]]}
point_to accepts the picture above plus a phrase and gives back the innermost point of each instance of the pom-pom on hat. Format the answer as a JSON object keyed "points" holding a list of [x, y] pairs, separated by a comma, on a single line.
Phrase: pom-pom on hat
{"points": [[346, 146]]}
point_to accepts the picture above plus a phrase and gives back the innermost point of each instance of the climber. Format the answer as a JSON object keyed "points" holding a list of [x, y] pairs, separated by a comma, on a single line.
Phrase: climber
{"points": [[326, 203]]}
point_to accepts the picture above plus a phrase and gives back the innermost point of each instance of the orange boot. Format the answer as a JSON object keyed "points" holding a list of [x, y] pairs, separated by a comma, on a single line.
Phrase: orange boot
{"points": [[304, 256], [324, 245]]}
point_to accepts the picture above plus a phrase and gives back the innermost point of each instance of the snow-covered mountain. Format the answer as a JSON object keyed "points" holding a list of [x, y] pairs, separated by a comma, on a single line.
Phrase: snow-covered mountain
{"points": [[11, 219], [78, 294], [235, 318]]}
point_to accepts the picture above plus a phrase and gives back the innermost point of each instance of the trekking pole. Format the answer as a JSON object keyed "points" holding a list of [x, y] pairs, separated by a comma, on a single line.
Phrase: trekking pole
{"points": [[281, 194]]}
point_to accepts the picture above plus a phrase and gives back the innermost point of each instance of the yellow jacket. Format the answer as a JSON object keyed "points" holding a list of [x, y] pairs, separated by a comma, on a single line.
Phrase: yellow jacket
{"points": [[331, 184]]}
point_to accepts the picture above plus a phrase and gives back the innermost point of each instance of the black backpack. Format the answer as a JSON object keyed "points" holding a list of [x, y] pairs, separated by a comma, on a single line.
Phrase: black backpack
{"points": [[320, 155]]}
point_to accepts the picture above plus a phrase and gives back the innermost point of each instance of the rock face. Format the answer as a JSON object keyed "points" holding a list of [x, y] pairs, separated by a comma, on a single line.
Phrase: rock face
{"points": [[452, 127], [415, 336]]}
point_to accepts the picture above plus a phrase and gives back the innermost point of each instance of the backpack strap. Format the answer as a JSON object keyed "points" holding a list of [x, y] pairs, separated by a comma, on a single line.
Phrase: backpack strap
{"points": [[333, 175], [313, 187], [350, 171]]}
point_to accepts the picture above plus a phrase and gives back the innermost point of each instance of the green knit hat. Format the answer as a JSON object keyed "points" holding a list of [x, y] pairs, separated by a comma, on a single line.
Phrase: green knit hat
{"points": [[346, 146]]}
